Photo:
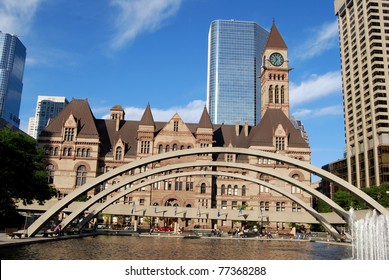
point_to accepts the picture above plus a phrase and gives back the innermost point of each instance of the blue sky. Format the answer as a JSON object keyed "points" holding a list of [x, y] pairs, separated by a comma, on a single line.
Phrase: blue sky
{"points": [[135, 52]]}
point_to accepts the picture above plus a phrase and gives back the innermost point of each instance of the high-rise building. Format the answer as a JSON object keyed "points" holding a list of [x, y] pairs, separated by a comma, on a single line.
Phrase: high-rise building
{"points": [[364, 48], [12, 59], [47, 108], [234, 65]]}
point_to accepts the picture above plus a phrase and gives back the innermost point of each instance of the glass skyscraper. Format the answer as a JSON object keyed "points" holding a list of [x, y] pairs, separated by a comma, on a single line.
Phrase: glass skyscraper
{"points": [[234, 65], [12, 60]]}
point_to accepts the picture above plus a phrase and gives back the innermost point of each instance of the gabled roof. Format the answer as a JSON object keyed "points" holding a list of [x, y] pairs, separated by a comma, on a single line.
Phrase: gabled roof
{"points": [[275, 41], [205, 120], [81, 111], [147, 118], [262, 134]]}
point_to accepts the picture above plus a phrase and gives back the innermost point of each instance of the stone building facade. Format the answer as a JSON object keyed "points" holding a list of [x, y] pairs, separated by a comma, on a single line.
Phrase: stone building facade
{"points": [[80, 147]]}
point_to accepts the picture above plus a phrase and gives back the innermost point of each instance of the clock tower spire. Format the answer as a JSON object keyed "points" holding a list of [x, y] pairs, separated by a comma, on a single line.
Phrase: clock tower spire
{"points": [[275, 74]]}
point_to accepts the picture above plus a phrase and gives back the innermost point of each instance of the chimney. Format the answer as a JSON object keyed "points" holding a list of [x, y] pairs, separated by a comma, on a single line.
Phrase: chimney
{"points": [[237, 124], [246, 129]]}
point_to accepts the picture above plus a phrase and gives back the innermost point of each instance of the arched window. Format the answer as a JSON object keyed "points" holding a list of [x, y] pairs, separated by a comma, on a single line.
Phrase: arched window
{"points": [[167, 148], [56, 151], [235, 190], [203, 188], [271, 94], [88, 152], [175, 147], [119, 153], [223, 190], [79, 154], [243, 190], [294, 188], [81, 175], [65, 152], [83, 153], [160, 149], [50, 173], [276, 95], [229, 190], [282, 95]]}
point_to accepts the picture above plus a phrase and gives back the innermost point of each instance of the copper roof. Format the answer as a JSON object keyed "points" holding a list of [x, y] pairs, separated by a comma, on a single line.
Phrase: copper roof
{"points": [[275, 41], [80, 109], [147, 118], [205, 120], [262, 134]]}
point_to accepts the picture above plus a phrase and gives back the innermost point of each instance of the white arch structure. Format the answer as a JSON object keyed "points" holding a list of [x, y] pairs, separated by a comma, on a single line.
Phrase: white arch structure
{"points": [[111, 200], [44, 218]]}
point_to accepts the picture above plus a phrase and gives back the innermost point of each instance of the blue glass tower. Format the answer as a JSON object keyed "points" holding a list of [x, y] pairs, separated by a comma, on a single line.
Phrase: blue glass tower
{"points": [[234, 65], [12, 60]]}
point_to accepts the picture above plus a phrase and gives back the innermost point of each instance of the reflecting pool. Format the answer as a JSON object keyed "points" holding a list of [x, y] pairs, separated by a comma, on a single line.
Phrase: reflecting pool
{"points": [[113, 247]]}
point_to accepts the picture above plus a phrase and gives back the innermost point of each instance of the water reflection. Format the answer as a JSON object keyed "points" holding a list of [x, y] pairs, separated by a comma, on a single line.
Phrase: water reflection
{"points": [[163, 248]]}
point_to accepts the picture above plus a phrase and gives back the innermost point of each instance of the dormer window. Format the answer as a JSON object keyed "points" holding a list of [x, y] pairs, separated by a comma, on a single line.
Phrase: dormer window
{"points": [[119, 153], [280, 139], [280, 143], [69, 134], [70, 129]]}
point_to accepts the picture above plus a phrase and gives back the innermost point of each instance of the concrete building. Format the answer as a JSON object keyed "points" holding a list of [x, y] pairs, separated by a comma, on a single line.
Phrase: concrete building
{"points": [[234, 65], [12, 60], [80, 147], [47, 108], [364, 48]]}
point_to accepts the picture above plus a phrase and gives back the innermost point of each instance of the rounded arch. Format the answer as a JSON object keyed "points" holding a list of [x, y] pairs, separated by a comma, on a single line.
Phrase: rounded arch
{"points": [[297, 200], [34, 228]]}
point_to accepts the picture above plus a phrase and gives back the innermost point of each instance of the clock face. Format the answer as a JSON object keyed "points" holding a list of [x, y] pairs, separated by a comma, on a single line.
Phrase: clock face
{"points": [[276, 59]]}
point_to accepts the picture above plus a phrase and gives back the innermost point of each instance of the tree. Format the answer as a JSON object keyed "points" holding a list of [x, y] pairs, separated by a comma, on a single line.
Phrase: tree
{"points": [[22, 173]]}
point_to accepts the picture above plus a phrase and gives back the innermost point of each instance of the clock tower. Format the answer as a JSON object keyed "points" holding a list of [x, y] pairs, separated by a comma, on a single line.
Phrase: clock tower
{"points": [[275, 74]]}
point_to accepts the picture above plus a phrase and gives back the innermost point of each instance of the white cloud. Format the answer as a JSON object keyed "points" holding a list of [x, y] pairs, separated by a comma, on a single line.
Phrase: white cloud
{"points": [[190, 113], [137, 16], [316, 87], [334, 110], [16, 15], [326, 37]]}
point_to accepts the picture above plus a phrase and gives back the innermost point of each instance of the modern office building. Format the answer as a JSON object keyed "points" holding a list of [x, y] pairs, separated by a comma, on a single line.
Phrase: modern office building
{"points": [[234, 65], [12, 60], [47, 108], [364, 49]]}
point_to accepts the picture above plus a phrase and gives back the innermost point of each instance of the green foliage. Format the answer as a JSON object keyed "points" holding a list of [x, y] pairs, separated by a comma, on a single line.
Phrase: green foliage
{"points": [[347, 200], [22, 173]]}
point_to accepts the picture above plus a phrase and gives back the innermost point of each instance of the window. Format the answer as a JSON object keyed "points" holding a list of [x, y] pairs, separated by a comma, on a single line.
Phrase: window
{"points": [[203, 188], [69, 134], [294, 188], [175, 147], [277, 96], [118, 154], [296, 207], [189, 186], [160, 149], [178, 186], [167, 148], [271, 94], [50, 173], [234, 205], [229, 190], [175, 126], [235, 190], [223, 190], [230, 158], [282, 95], [280, 143], [243, 190], [81, 175], [224, 204], [145, 147]]}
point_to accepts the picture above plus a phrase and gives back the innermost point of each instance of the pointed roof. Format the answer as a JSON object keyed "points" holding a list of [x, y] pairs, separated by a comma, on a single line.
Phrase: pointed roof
{"points": [[205, 120], [80, 110], [147, 118], [262, 134], [275, 41]]}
